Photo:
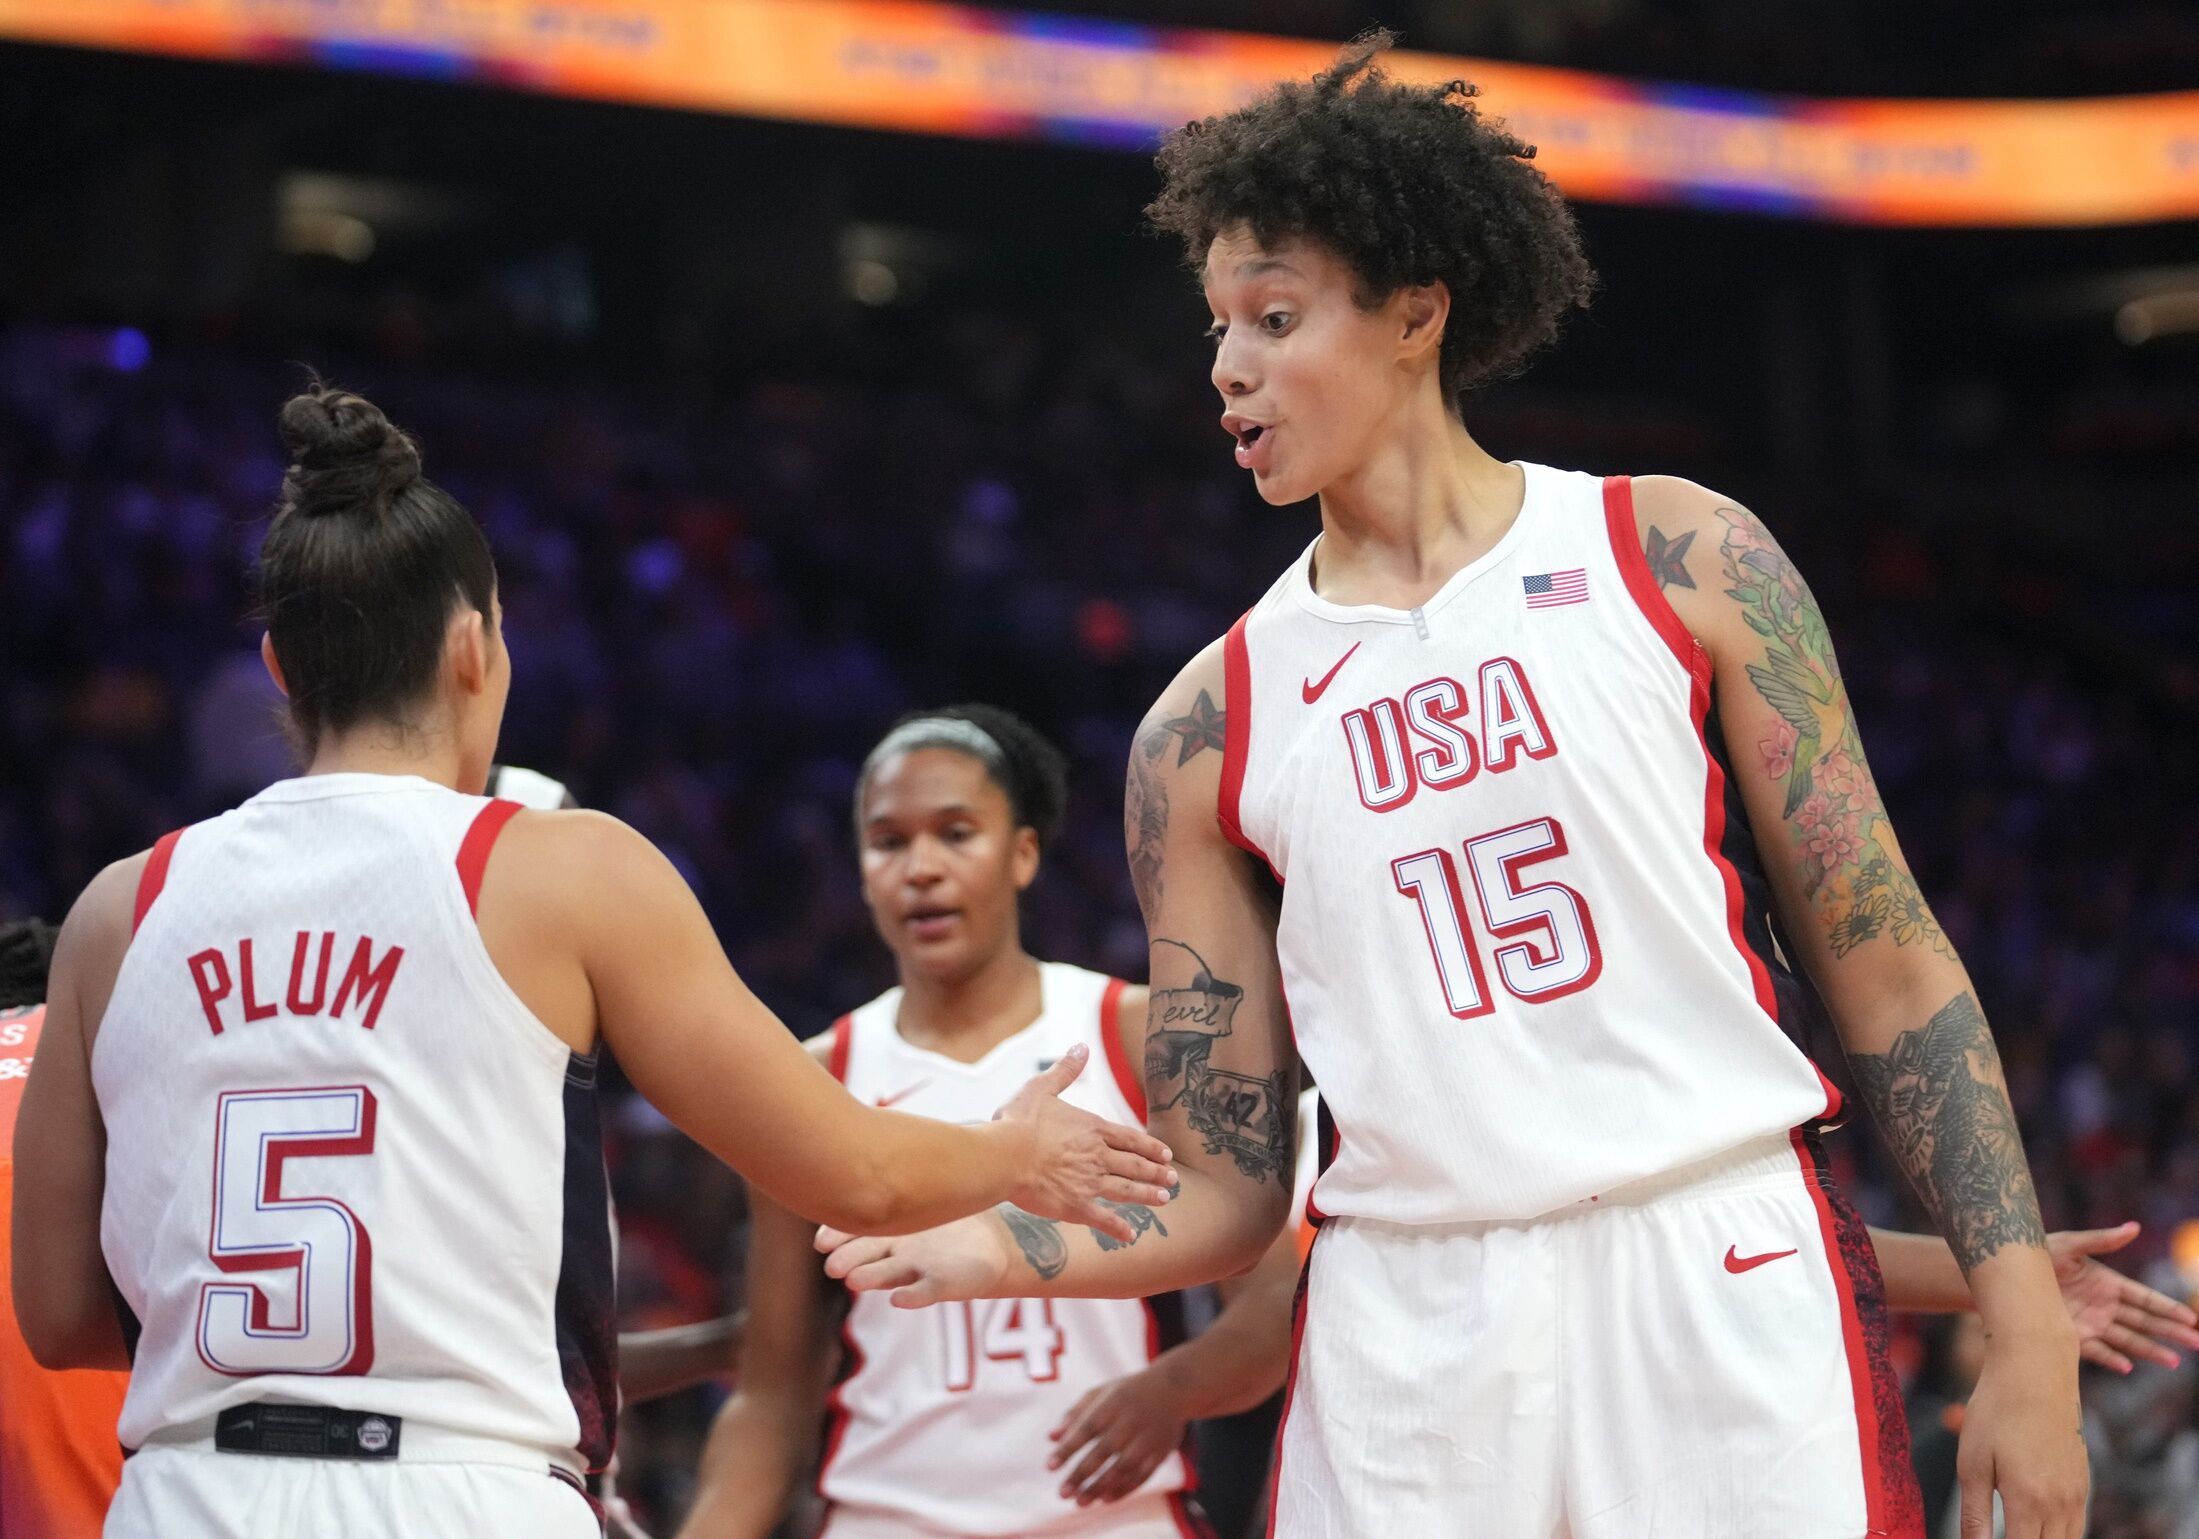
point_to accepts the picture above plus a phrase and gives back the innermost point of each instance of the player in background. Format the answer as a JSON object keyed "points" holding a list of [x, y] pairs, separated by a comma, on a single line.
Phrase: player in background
{"points": [[1511, 780], [1015, 1416], [350, 1186], [58, 1461]]}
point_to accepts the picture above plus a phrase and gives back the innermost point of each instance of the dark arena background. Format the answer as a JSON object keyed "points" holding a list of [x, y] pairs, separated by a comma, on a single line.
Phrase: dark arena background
{"points": [[797, 389]]}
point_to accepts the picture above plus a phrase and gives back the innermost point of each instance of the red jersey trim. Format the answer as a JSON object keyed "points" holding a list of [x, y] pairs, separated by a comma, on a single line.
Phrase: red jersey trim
{"points": [[154, 876], [473, 850], [836, 1412], [1236, 737], [1127, 1079], [1851, 1335], [1626, 545], [843, 1043]]}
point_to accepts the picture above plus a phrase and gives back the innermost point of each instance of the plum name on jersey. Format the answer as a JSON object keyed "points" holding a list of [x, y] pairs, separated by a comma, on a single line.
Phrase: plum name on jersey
{"points": [[1431, 735], [228, 976]]}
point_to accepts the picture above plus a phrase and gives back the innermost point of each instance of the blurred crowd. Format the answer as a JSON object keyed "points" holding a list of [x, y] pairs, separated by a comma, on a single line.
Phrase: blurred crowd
{"points": [[716, 599]]}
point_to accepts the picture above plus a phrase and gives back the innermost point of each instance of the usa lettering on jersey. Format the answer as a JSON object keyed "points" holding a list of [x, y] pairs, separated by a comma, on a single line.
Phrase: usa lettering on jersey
{"points": [[1432, 737]]}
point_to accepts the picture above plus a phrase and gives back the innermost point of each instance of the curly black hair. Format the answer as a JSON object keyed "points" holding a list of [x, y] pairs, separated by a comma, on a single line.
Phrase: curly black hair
{"points": [[1029, 768], [26, 955], [1408, 185]]}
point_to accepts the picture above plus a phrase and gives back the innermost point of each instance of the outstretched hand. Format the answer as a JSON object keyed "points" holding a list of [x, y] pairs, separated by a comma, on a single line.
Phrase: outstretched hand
{"points": [[1085, 1169], [967, 1259], [2118, 1319]]}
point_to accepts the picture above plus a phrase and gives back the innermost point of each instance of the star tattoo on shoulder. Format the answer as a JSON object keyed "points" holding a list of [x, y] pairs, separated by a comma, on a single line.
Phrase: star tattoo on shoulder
{"points": [[1205, 727], [1668, 558]]}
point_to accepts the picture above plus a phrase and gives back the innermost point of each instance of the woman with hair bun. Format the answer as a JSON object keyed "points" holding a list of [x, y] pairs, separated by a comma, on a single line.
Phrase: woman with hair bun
{"points": [[317, 1088]]}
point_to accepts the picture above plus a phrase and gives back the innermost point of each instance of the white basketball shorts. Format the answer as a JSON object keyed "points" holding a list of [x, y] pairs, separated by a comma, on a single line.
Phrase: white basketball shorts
{"points": [[179, 1493], [1697, 1356]]}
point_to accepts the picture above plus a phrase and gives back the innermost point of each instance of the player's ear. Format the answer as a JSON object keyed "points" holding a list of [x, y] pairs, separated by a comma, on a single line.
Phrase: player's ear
{"points": [[1423, 309], [1023, 861], [466, 644], [274, 663]]}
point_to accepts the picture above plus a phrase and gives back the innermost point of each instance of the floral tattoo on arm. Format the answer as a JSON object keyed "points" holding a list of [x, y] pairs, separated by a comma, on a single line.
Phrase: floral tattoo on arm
{"points": [[1834, 815]]}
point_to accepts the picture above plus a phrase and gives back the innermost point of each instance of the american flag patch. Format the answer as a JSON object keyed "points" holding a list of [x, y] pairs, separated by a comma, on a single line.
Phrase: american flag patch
{"points": [[1547, 590]]}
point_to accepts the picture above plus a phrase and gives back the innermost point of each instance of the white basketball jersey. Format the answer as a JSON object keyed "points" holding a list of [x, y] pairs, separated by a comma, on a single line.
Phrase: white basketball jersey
{"points": [[1524, 930], [944, 1413], [346, 1165]]}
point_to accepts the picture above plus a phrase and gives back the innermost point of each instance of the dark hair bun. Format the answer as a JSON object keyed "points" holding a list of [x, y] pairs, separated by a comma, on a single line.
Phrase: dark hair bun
{"points": [[344, 453]]}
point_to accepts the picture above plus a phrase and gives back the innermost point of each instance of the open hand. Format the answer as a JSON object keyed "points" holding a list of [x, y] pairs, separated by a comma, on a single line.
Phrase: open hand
{"points": [[1130, 1424], [1085, 1168], [967, 1259], [2117, 1318]]}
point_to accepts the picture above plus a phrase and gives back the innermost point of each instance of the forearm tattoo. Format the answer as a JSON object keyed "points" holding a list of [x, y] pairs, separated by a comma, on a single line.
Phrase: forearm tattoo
{"points": [[1047, 1252], [1139, 1217], [1939, 1095], [1835, 819], [1039, 1239]]}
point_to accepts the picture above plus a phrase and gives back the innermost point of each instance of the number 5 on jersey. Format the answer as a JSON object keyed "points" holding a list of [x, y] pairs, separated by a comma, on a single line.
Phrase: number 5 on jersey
{"points": [[316, 1245], [1547, 939]]}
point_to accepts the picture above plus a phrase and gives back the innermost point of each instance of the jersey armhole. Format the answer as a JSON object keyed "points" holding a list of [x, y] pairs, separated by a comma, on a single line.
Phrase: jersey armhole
{"points": [[1237, 741], [843, 1042], [154, 877], [473, 851], [1626, 549], [1118, 1056]]}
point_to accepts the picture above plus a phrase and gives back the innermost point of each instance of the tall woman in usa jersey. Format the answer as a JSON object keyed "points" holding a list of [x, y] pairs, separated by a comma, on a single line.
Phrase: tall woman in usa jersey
{"points": [[316, 1102], [1507, 808]]}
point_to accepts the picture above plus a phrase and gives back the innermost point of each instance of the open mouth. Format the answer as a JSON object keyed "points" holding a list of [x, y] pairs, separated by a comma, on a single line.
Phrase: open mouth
{"points": [[930, 923], [1254, 445]]}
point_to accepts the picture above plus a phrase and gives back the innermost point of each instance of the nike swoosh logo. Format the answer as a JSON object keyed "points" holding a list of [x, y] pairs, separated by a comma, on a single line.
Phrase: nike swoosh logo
{"points": [[1739, 1264], [1313, 691], [885, 1101]]}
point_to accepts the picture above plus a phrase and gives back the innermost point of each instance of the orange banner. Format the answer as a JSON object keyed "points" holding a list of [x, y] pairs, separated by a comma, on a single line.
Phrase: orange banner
{"points": [[927, 68]]}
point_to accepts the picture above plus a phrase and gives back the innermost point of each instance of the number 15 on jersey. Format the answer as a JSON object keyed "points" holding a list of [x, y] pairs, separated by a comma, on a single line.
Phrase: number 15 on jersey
{"points": [[1546, 938]]}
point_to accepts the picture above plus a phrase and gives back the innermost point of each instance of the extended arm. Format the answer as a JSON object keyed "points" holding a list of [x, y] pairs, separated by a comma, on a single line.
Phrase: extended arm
{"points": [[1923, 1058], [2117, 1318], [761, 1441], [64, 1299], [652, 1364], [708, 1054], [1220, 1069]]}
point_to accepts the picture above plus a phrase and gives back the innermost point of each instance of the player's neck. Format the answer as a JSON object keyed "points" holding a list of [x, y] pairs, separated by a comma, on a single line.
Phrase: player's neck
{"points": [[967, 1017], [1425, 503], [383, 750]]}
